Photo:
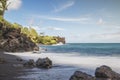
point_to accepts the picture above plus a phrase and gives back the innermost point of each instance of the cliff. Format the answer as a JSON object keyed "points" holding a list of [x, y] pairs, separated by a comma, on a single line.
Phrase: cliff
{"points": [[60, 39], [12, 40]]}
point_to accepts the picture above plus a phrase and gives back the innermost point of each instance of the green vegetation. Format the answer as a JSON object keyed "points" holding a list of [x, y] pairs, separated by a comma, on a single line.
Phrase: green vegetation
{"points": [[33, 35], [29, 32], [3, 7], [47, 40]]}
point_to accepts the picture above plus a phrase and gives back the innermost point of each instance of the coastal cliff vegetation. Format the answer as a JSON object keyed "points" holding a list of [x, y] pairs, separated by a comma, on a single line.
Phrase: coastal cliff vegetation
{"points": [[30, 32]]}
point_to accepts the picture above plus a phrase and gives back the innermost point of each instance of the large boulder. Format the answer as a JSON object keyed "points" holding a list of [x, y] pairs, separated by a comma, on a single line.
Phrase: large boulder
{"points": [[30, 63], [106, 73], [78, 75], [44, 63]]}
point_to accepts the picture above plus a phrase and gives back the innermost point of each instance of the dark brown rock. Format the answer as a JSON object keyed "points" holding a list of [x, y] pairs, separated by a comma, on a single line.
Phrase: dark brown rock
{"points": [[14, 41], [60, 39], [29, 63], [106, 73], [44, 63], [36, 48], [78, 75], [1, 26], [19, 59]]}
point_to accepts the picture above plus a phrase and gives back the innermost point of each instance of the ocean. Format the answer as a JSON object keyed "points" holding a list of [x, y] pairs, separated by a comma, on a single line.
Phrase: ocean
{"points": [[86, 49], [71, 57]]}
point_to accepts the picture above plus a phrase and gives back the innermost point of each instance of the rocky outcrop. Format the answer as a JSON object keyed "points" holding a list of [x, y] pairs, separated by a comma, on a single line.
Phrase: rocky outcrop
{"points": [[106, 73], [30, 63], [78, 75], [14, 41], [40, 63], [60, 39], [101, 73], [44, 63]]}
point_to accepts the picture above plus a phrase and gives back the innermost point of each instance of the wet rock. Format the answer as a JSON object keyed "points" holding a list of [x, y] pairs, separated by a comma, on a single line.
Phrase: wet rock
{"points": [[78, 75], [29, 63], [44, 63], [19, 59], [106, 73], [36, 48]]}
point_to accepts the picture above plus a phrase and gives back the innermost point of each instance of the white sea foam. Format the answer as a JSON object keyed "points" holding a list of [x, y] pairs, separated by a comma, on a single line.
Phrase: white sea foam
{"points": [[88, 62], [70, 62]]}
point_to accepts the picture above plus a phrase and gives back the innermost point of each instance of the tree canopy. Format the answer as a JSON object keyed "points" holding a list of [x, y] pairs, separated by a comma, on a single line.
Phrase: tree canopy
{"points": [[3, 7]]}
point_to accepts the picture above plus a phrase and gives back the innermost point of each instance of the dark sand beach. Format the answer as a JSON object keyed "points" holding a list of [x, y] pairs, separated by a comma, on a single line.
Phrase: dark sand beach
{"points": [[10, 69]]}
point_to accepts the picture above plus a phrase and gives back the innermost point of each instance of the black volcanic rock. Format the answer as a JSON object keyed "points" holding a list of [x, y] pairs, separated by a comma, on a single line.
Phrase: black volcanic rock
{"points": [[60, 39], [78, 75], [14, 41], [101, 73], [29, 63], [106, 73], [44, 63]]}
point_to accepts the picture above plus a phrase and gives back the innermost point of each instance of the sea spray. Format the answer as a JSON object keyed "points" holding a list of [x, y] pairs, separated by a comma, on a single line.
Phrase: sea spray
{"points": [[90, 62]]}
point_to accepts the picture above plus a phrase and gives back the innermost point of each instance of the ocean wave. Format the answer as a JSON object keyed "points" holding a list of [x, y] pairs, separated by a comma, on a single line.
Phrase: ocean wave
{"points": [[88, 62]]}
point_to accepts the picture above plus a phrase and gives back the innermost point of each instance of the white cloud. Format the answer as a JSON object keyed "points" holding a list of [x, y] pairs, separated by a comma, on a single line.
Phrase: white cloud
{"points": [[100, 21], [39, 28], [55, 28], [31, 21], [108, 24], [14, 4], [107, 36], [64, 6], [82, 19], [68, 19]]}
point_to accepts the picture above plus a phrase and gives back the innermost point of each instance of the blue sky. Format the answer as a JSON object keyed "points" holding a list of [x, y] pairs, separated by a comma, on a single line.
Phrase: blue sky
{"points": [[79, 21]]}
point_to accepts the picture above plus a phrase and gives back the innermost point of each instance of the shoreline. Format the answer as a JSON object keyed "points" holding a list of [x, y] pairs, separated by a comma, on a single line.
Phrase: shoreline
{"points": [[10, 69], [66, 64]]}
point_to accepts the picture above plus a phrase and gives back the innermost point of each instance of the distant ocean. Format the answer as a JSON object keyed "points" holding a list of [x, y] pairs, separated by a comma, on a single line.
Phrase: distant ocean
{"points": [[86, 49], [71, 57]]}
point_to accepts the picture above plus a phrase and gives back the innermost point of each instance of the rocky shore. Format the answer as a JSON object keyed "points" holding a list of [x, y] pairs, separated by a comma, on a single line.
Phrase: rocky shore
{"points": [[12, 40], [101, 73], [10, 67]]}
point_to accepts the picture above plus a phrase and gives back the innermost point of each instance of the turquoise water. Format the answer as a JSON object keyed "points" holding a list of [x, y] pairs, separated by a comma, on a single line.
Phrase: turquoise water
{"points": [[86, 49]]}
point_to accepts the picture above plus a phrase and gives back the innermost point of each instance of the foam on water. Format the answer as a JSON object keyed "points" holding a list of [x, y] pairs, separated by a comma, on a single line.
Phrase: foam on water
{"points": [[68, 64], [88, 62]]}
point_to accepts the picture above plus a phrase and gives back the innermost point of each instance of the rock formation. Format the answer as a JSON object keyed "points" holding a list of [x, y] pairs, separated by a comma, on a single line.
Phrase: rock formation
{"points": [[60, 39], [101, 73], [44, 63], [106, 73], [78, 75], [30, 63], [12, 40], [40, 63]]}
